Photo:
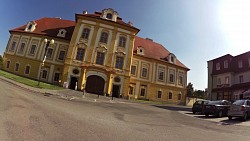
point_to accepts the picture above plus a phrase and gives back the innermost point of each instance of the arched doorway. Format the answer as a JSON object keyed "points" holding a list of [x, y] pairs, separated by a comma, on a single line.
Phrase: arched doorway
{"points": [[95, 84]]}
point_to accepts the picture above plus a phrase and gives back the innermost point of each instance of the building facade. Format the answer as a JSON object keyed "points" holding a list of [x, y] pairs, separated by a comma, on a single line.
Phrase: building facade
{"points": [[229, 77], [98, 53]]}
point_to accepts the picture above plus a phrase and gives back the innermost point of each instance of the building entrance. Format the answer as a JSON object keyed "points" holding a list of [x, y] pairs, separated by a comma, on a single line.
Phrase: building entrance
{"points": [[116, 91], [95, 85], [73, 83]]}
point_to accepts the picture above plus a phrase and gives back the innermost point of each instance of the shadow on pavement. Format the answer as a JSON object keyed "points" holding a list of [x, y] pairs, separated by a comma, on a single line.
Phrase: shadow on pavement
{"points": [[174, 108]]}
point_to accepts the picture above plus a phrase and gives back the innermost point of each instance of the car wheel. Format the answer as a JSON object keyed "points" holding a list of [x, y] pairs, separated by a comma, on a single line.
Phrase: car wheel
{"points": [[229, 117], [219, 114], [244, 118]]}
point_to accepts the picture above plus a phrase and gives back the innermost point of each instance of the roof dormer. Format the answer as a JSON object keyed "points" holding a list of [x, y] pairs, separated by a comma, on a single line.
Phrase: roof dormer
{"points": [[171, 58], [62, 33], [31, 26], [109, 14], [140, 50]]}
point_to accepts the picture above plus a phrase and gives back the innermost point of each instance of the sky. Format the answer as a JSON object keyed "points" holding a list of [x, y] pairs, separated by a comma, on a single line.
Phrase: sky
{"points": [[196, 31]]}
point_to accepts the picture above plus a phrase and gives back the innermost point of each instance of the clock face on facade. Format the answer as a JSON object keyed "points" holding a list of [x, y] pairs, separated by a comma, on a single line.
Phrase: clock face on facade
{"points": [[76, 71], [117, 79]]}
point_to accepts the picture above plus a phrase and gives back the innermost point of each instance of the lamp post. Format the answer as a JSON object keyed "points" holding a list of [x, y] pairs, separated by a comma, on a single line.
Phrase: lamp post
{"points": [[48, 42]]}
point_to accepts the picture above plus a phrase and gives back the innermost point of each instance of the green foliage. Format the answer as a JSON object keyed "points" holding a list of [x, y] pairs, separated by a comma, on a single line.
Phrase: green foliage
{"points": [[1, 61], [199, 94], [28, 82], [190, 90]]}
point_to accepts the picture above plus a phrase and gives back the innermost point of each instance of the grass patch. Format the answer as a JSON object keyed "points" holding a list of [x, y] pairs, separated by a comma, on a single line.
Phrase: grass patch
{"points": [[28, 82]]}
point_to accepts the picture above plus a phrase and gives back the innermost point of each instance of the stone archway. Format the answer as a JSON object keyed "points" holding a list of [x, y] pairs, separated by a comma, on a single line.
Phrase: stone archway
{"points": [[95, 85]]}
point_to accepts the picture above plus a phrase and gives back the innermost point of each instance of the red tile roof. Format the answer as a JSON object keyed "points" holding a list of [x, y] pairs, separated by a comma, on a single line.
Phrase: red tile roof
{"points": [[153, 50], [50, 27]]}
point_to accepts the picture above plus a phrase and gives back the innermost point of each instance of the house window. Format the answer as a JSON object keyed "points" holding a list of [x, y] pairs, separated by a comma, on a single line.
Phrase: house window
{"points": [[170, 95], [217, 66], [179, 96], [171, 76], [161, 75], [226, 64], [85, 33], [13, 45], [240, 64], [21, 49], [33, 49], [56, 77], [80, 54], [143, 91], [241, 78], [122, 42], [17, 67], [49, 53], [61, 55], [144, 72], [227, 79], [8, 64], [104, 37], [219, 81], [44, 74], [27, 70], [109, 16], [119, 62], [131, 90], [133, 70], [172, 59], [159, 94], [180, 80], [100, 58]]}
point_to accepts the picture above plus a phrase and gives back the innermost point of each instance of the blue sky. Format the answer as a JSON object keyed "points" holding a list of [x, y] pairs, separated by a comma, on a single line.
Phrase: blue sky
{"points": [[194, 30]]}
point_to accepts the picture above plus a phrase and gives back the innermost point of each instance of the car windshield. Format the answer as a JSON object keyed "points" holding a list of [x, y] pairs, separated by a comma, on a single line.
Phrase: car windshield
{"points": [[239, 102], [215, 102]]}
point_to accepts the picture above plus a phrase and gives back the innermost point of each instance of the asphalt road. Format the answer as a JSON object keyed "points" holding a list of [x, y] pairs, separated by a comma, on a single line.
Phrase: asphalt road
{"points": [[28, 116]]}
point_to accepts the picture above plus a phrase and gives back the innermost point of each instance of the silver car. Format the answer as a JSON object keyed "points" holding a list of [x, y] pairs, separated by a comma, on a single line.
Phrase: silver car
{"points": [[240, 108]]}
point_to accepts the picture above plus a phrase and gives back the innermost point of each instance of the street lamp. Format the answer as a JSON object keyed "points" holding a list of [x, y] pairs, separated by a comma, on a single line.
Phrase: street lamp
{"points": [[48, 42]]}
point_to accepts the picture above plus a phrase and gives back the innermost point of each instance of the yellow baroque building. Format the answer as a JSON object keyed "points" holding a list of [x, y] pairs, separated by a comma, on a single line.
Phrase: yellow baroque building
{"points": [[97, 53]]}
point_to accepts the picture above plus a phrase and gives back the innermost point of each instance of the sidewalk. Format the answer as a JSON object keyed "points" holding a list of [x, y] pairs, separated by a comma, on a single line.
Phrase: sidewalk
{"points": [[66, 94]]}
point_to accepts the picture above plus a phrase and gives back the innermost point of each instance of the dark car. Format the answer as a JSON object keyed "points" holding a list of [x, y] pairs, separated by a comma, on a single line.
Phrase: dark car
{"points": [[198, 106], [217, 108], [240, 108]]}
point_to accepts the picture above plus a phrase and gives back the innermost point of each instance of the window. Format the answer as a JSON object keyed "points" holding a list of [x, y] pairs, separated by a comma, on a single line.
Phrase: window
{"points": [[219, 81], [241, 78], [170, 95], [131, 90], [56, 77], [27, 70], [143, 91], [109, 16], [80, 54], [119, 62], [85, 33], [13, 45], [172, 59], [100, 58], [171, 76], [240, 65], [21, 49], [133, 70], [225, 64], [44, 74], [144, 72], [8, 64], [49, 53], [179, 96], [161, 75], [17, 67], [33, 49], [180, 80], [104, 37], [61, 55], [217, 66], [30, 26], [159, 94], [227, 80], [122, 42]]}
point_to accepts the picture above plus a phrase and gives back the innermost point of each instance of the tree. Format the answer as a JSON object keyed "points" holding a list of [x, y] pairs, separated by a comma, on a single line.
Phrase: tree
{"points": [[199, 94], [1, 61], [190, 90]]}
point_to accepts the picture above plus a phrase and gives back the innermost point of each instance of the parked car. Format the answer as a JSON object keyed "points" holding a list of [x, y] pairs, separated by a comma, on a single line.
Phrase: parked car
{"points": [[240, 108], [198, 106], [218, 108]]}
